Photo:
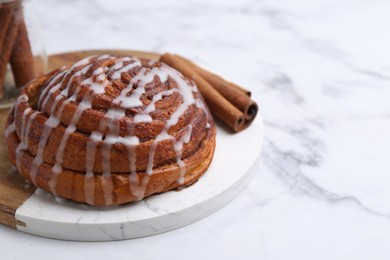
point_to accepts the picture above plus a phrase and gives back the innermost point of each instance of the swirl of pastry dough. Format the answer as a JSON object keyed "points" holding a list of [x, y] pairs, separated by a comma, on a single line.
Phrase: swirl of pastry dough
{"points": [[110, 130]]}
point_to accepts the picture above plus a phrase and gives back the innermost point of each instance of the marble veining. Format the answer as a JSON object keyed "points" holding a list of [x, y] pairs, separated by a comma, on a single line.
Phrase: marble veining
{"points": [[46, 215], [320, 71]]}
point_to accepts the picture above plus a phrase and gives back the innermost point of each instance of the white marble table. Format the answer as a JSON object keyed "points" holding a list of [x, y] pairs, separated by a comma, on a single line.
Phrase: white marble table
{"points": [[321, 73]]}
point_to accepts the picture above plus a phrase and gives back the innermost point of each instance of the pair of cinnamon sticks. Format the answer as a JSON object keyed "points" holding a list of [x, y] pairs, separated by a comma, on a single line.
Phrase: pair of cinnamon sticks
{"points": [[14, 45], [227, 101]]}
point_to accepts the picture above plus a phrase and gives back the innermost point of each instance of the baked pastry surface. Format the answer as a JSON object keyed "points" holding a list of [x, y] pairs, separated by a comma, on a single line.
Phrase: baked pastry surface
{"points": [[110, 130]]}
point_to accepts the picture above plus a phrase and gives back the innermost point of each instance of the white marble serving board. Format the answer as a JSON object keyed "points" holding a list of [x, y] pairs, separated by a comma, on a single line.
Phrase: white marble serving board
{"points": [[235, 163]]}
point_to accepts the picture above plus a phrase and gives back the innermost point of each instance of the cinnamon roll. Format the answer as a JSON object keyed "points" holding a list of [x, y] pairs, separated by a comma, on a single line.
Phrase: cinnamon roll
{"points": [[110, 130]]}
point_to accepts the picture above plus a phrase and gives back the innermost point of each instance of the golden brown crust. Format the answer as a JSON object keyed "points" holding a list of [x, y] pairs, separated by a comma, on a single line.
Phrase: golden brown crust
{"points": [[162, 180], [50, 105]]}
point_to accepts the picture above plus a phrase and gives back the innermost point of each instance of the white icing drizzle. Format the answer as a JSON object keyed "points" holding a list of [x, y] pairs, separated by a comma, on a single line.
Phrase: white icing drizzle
{"points": [[98, 86], [117, 74], [132, 155], [178, 147], [52, 89], [84, 61], [50, 123], [136, 188], [30, 120], [151, 62], [104, 56], [152, 105], [60, 200], [108, 132], [134, 185], [200, 105], [39, 191], [22, 145], [144, 77], [89, 181], [139, 118], [24, 139], [9, 130], [49, 86], [57, 168], [86, 103], [27, 185], [53, 121], [188, 100], [119, 64]]}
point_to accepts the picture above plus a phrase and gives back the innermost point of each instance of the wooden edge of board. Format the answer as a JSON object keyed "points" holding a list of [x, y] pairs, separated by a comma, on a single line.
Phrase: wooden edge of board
{"points": [[67, 58], [9, 219]]}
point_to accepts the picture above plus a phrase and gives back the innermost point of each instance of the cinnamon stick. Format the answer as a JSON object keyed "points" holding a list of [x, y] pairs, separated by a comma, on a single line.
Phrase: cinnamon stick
{"points": [[6, 11], [22, 60], [232, 92], [8, 41], [207, 74], [239, 88], [218, 105], [5, 19]]}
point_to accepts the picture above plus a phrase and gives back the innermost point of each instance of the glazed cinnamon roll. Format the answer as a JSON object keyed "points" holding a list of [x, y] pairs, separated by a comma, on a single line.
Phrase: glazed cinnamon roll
{"points": [[110, 130]]}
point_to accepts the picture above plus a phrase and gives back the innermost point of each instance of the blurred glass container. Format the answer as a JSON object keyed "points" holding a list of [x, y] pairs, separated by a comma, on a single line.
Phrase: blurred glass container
{"points": [[22, 54]]}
